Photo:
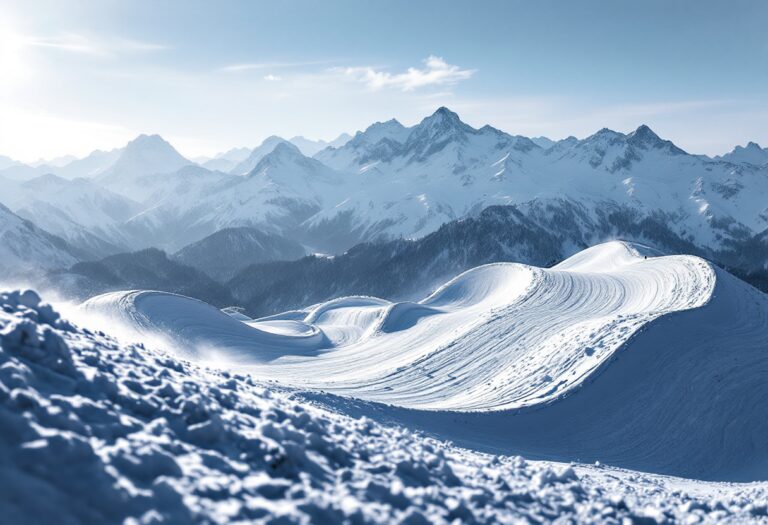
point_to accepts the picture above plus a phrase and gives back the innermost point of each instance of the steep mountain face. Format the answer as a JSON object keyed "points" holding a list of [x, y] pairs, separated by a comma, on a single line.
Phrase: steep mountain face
{"points": [[89, 217], [149, 269], [226, 252], [752, 153], [259, 152], [145, 155], [26, 249]]}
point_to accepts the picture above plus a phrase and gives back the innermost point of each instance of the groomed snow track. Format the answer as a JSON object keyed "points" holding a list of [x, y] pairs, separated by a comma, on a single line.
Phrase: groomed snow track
{"points": [[616, 354]]}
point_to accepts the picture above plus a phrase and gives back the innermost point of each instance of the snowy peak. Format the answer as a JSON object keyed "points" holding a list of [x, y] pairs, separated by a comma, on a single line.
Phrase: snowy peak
{"points": [[340, 140], [614, 151], [283, 153], [643, 137], [291, 171], [311, 147], [381, 141], [644, 134], [752, 153], [148, 143], [258, 153], [435, 132], [441, 123], [144, 155], [378, 131]]}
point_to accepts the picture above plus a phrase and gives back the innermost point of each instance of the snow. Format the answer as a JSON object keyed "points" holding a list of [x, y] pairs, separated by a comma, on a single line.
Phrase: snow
{"points": [[612, 355], [144, 155], [378, 174], [25, 249], [154, 438], [256, 154], [752, 153], [75, 210]]}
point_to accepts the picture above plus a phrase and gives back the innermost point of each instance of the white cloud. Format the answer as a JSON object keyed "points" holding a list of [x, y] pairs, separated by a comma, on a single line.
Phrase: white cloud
{"points": [[91, 45], [272, 78], [436, 72], [250, 66]]}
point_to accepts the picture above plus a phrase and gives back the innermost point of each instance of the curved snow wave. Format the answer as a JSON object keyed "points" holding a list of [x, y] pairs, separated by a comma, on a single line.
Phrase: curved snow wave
{"points": [[199, 330], [685, 395], [497, 337], [617, 355]]}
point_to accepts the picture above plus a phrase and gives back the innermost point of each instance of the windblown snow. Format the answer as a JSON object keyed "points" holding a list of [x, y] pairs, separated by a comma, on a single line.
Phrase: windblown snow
{"points": [[616, 355]]}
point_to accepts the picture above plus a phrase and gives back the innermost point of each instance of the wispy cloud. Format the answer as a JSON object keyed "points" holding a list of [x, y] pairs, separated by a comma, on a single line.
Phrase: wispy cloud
{"points": [[272, 78], [436, 72], [250, 66], [91, 45]]}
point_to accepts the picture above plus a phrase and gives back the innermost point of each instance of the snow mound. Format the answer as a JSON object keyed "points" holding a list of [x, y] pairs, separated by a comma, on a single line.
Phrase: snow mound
{"points": [[618, 355], [99, 432], [500, 336]]}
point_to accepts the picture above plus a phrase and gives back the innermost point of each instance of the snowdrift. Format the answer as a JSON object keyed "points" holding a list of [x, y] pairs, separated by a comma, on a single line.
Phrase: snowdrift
{"points": [[95, 431], [617, 354]]}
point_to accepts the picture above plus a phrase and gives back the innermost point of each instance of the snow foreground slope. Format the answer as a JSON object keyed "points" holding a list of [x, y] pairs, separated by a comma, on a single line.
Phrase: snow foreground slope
{"points": [[99, 432], [616, 355]]}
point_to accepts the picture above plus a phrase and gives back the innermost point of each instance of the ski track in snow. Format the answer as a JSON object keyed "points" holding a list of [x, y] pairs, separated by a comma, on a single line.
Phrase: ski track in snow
{"points": [[616, 354]]}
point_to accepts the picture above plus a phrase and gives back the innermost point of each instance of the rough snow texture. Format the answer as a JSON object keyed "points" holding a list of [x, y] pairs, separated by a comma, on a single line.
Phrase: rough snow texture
{"points": [[98, 432], [619, 355]]}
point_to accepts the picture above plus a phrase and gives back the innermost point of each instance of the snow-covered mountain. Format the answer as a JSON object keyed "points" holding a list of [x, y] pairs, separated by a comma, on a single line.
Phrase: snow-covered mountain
{"points": [[310, 147], [227, 160], [392, 181], [26, 249], [283, 190], [442, 169], [7, 162], [543, 142], [90, 166], [56, 162], [752, 153], [144, 155], [256, 154], [89, 217]]}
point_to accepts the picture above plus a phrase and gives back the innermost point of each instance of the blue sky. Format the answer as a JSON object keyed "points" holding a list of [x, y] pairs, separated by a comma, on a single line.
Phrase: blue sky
{"points": [[79, 75]]}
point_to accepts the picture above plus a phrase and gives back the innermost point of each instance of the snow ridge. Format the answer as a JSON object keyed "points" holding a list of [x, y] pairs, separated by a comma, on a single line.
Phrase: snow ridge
{"points": [[509, 338]]}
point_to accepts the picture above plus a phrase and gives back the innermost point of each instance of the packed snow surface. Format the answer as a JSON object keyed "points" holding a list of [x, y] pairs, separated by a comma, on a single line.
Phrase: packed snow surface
{"points": [[95, 431], [615, 355]]}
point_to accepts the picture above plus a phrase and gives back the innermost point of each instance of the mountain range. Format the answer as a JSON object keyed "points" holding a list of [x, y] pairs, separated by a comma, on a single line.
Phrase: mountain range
{"points": [[392, 182]]}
